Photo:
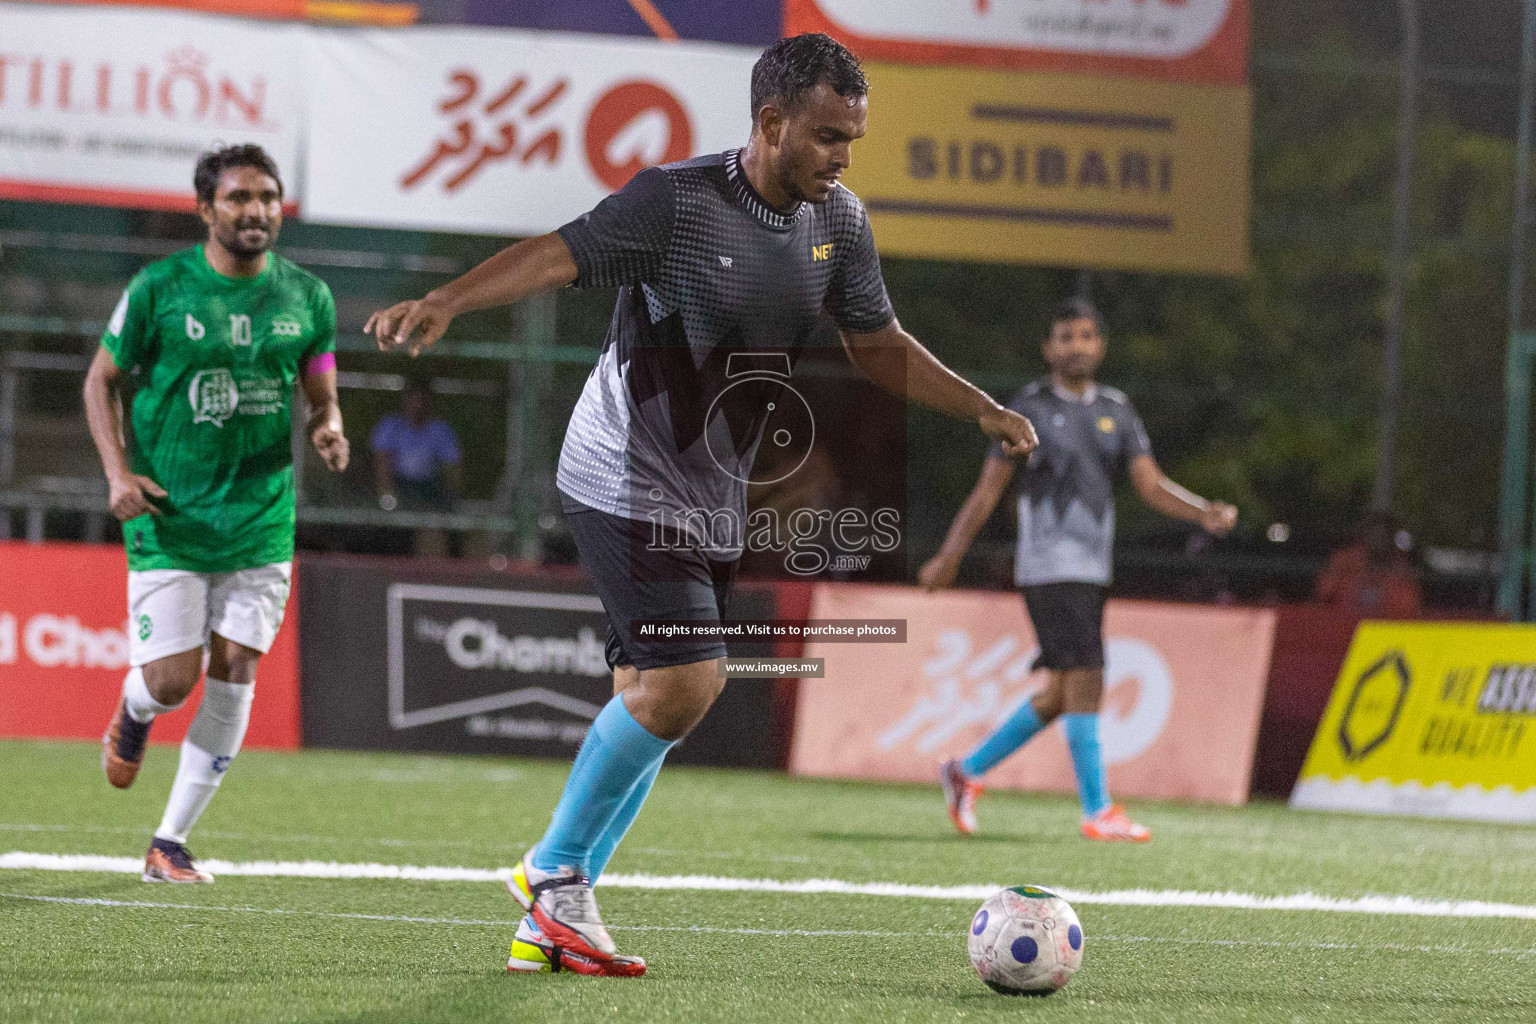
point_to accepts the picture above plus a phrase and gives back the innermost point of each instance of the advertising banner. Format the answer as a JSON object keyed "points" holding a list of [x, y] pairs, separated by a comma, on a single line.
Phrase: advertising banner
{"points": [[501, 131], [64, 650], [1174, 40], [1056, 169], [753, 22], [406, 656], [114, 106], [369, 12], [1429, 719], [1183, 689]]}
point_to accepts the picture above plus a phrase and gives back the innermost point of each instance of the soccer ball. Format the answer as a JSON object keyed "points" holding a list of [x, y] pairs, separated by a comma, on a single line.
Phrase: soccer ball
{"points": [[1025, 941]]}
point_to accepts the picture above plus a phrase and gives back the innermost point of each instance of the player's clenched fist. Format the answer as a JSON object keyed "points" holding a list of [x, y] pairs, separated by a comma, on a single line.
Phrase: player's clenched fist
{"points": [[414, 325], [1219, 518], [333, 447], [1010, 429], [130, 496]]}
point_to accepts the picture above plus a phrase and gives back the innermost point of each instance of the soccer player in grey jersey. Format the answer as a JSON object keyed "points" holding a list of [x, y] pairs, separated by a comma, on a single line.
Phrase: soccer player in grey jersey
{"points": [[1089, 435], [721, 259]]}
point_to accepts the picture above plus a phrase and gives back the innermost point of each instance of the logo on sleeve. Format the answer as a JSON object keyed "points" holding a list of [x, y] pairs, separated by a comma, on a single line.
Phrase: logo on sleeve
{"points": [[821, 252], [725, 261], [213, 396], [286, 327], [195, 330]]}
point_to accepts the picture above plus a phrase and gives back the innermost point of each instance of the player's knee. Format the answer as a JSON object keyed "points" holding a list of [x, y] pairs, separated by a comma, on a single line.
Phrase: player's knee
{"points": [[232, 662], [624, 676], [1047, 704], [170, 680], [670, 702], [1083, 691]]}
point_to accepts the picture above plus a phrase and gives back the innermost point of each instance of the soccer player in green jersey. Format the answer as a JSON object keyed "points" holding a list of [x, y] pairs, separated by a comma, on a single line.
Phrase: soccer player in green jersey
{"points": [[204, 348]]}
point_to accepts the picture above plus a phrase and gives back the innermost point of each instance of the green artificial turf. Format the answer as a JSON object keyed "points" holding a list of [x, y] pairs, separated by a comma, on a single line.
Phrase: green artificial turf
{"points": [[290, 949]]}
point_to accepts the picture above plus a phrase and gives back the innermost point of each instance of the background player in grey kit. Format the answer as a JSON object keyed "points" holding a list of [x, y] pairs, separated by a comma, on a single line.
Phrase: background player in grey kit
{"points": [[1089, 434], [732, 253]]}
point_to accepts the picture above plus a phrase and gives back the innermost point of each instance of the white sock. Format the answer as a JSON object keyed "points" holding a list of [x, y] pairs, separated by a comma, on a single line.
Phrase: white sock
{"points": [[211, 744], [142, 708]]}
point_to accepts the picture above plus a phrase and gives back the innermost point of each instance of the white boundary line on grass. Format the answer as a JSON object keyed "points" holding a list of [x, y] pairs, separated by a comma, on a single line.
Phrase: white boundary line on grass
{"points": [[1391, 905], [792, 933]]}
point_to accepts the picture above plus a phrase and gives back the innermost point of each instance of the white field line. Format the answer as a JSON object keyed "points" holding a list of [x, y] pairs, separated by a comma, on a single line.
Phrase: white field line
{"points": [[1390, 905], [794, 933], [434, 842]]}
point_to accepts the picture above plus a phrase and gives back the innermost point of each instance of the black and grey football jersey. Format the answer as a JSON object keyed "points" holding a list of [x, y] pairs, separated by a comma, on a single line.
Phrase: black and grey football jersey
{"points": [[1067, 490], [714, 287]]}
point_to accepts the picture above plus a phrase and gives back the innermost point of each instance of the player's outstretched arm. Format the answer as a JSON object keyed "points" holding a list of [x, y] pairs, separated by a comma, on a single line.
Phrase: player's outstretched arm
{"points": [[531, 266], [1215, 517], [129, 494], [324, 424], [940, 570], [921, 378]]}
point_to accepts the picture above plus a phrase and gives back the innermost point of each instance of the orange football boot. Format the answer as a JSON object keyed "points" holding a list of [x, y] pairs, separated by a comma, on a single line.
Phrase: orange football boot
{"points": [[960, 794], [169, 861], [122, 748], [1113, 825]]}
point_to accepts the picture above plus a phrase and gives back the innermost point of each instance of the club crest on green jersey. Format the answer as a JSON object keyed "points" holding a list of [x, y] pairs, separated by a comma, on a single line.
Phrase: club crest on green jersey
{"points": [[213, 396]]}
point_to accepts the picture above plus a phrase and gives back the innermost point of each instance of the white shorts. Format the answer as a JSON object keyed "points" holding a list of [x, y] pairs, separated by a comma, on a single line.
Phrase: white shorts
{"points": [[174, 610]]}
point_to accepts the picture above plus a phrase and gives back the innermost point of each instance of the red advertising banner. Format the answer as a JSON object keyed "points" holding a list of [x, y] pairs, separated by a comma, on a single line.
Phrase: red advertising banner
{"points": [[1193, 41], [64, 650], [1184, 685]]}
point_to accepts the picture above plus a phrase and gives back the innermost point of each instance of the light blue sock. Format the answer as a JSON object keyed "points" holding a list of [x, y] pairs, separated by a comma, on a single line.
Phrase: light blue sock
{"points": [[1087, 760], [602, 853], [617, 752], [1005, 739]]}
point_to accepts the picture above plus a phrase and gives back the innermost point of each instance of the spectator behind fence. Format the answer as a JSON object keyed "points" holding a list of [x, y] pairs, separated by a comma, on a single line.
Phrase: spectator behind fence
{"points": [[1373, 576], [416, 463]]}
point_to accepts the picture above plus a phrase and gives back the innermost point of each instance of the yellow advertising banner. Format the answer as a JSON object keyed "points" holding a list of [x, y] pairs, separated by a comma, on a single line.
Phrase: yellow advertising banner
{"points": [[1431, 719], [1056, 169]]}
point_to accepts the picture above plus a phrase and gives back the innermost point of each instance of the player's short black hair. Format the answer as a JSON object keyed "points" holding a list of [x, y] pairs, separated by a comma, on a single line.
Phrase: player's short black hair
{"points": [[792, 67], [1075, 308], [212, 165]]}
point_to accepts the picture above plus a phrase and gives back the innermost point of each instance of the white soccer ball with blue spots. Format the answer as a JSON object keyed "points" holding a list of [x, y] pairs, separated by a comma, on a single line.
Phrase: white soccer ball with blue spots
{"points": [[1025, 941]]}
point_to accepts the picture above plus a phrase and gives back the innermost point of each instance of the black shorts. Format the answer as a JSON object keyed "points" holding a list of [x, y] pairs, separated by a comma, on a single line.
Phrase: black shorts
{"points": [[638, 581], [1069, 623]]}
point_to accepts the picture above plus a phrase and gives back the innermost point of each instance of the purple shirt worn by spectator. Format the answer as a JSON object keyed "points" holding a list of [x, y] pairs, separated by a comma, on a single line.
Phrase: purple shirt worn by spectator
{"points": [[416, 452]]}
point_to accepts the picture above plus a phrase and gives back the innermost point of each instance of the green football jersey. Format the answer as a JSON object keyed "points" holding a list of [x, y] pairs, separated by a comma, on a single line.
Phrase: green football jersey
{"points": [[213, 362]]}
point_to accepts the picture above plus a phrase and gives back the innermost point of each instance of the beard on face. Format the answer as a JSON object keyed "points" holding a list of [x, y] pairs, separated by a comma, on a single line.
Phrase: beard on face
{"points": [[789, 176], [231, 239], [1074, 364]]}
